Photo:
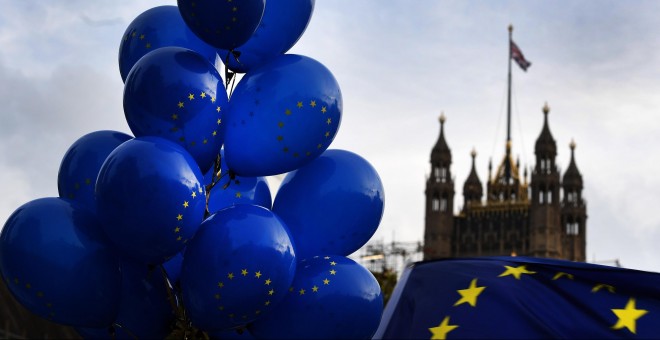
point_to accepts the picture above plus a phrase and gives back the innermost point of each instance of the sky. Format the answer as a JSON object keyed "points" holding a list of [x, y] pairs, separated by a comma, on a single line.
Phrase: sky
{"points": [[399, 64]]}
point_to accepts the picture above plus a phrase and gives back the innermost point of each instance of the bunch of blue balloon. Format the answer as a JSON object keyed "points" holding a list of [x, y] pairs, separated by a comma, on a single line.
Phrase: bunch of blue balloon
{"points": [[174, 230]]}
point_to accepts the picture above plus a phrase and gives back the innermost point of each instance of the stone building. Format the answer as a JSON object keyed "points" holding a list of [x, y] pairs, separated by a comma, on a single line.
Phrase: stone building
{"points": [[542, 216]]}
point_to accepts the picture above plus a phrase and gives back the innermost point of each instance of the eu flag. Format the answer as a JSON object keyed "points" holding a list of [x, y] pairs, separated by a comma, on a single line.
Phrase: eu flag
{"points": [[517, 297]]}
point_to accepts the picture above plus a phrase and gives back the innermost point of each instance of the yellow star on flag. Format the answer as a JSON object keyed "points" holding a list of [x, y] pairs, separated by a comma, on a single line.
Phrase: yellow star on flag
{"points": [[470, 294], [191, 96], [562, 274], [628, 316], [516, 271], [440, 332], [600, 286], [244, 272]]}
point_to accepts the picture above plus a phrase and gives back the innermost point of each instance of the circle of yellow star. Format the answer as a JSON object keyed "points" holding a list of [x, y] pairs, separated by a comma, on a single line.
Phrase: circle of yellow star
{"points": [[440, 332], [628, 316]]}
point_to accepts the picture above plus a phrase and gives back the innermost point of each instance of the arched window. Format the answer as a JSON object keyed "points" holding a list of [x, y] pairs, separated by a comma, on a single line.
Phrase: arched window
{"points": [[549, 193], [443, 204], [435, 203], [541, 194]]}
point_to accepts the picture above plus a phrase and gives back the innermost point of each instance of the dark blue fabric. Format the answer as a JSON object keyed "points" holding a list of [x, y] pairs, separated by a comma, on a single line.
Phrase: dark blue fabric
{"points": [[544, 299]]}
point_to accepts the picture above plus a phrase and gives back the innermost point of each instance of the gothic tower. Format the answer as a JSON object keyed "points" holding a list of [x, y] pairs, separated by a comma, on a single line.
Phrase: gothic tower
{"points": [[439, 201], [472, 189], [573, 213], [545, 228]]}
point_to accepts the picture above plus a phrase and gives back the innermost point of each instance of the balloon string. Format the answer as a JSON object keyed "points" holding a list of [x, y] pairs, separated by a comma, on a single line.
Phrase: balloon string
{"points": [[170, 291], [230, 77], [125, 330]]}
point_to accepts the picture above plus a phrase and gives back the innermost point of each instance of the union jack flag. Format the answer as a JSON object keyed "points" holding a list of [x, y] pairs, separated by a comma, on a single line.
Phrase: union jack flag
{"points": [[517, 55]]}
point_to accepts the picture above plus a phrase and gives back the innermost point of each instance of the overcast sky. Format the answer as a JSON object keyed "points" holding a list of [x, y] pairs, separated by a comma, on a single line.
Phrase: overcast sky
{"points": [[399, 64]]}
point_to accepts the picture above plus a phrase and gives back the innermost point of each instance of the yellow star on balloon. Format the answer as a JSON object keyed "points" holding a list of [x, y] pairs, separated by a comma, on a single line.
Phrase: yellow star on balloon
{"points": [[440, 332], [470, 294], [516, 271], [628, 316]]}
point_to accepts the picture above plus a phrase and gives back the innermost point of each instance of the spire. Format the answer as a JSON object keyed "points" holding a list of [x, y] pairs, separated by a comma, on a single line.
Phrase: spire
{"points": [[572, 177], [545, 144], [472, 189], [441, 150]]}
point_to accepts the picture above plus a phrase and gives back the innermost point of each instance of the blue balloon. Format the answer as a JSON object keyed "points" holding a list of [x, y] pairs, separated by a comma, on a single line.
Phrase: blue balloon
{"points": [[283, 23], [150, 196], [281, 116], [230, 191], [145, 310], [237, 268], [57, 264], [175, 93], [173, 267], [331, 297], [158, 27], [333, 205], [233, 334], [81, 163], [109, 333], [223, 24]]}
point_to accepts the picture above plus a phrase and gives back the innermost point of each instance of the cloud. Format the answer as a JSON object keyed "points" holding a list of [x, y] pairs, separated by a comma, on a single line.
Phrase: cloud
{"points": [[103, 22]]}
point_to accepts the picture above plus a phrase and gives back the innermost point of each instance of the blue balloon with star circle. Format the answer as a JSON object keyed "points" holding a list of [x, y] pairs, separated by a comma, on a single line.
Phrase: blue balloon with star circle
{"points": [[176, 94], [158, 27], [331, 297], [283, 23], [237, 268], [150, 197], [58, 264], [81, 164], [223, 24], [281, 116], [231, 190], [145, 310], [333, 205]]}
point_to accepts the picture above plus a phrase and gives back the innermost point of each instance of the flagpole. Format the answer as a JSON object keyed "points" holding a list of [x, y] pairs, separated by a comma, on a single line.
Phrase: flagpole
{"points": [[508, 107], [507, 167]]}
